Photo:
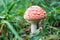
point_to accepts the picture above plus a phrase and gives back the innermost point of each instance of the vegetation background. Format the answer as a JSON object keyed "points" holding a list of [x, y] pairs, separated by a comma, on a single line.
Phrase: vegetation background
{"points": [[14, 27]]}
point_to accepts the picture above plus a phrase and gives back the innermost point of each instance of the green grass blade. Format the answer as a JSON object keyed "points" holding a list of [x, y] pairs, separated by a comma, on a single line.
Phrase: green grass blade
{"points": [[12, 29]]}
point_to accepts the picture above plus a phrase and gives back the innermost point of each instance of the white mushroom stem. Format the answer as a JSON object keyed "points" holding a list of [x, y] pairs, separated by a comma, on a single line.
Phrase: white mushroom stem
{"points": [[33, 27]]}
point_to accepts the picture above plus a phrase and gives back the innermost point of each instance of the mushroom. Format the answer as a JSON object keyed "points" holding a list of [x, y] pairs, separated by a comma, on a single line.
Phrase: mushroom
{"points": [[33, 15]]}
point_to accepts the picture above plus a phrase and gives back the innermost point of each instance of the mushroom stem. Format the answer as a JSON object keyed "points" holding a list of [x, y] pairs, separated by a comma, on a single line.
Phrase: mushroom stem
{"points": [[33, 27]]}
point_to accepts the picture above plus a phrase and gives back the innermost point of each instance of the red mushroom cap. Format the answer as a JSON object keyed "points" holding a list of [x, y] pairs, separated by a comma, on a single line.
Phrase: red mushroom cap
{"points": [[34, 13]]}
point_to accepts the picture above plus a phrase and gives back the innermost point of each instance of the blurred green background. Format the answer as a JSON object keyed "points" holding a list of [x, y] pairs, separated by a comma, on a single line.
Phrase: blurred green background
{"points": [[14, 27]]}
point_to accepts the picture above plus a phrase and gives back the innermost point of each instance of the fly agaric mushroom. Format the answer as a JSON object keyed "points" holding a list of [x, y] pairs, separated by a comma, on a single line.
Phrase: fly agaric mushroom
{"points": [[33, 15]]}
